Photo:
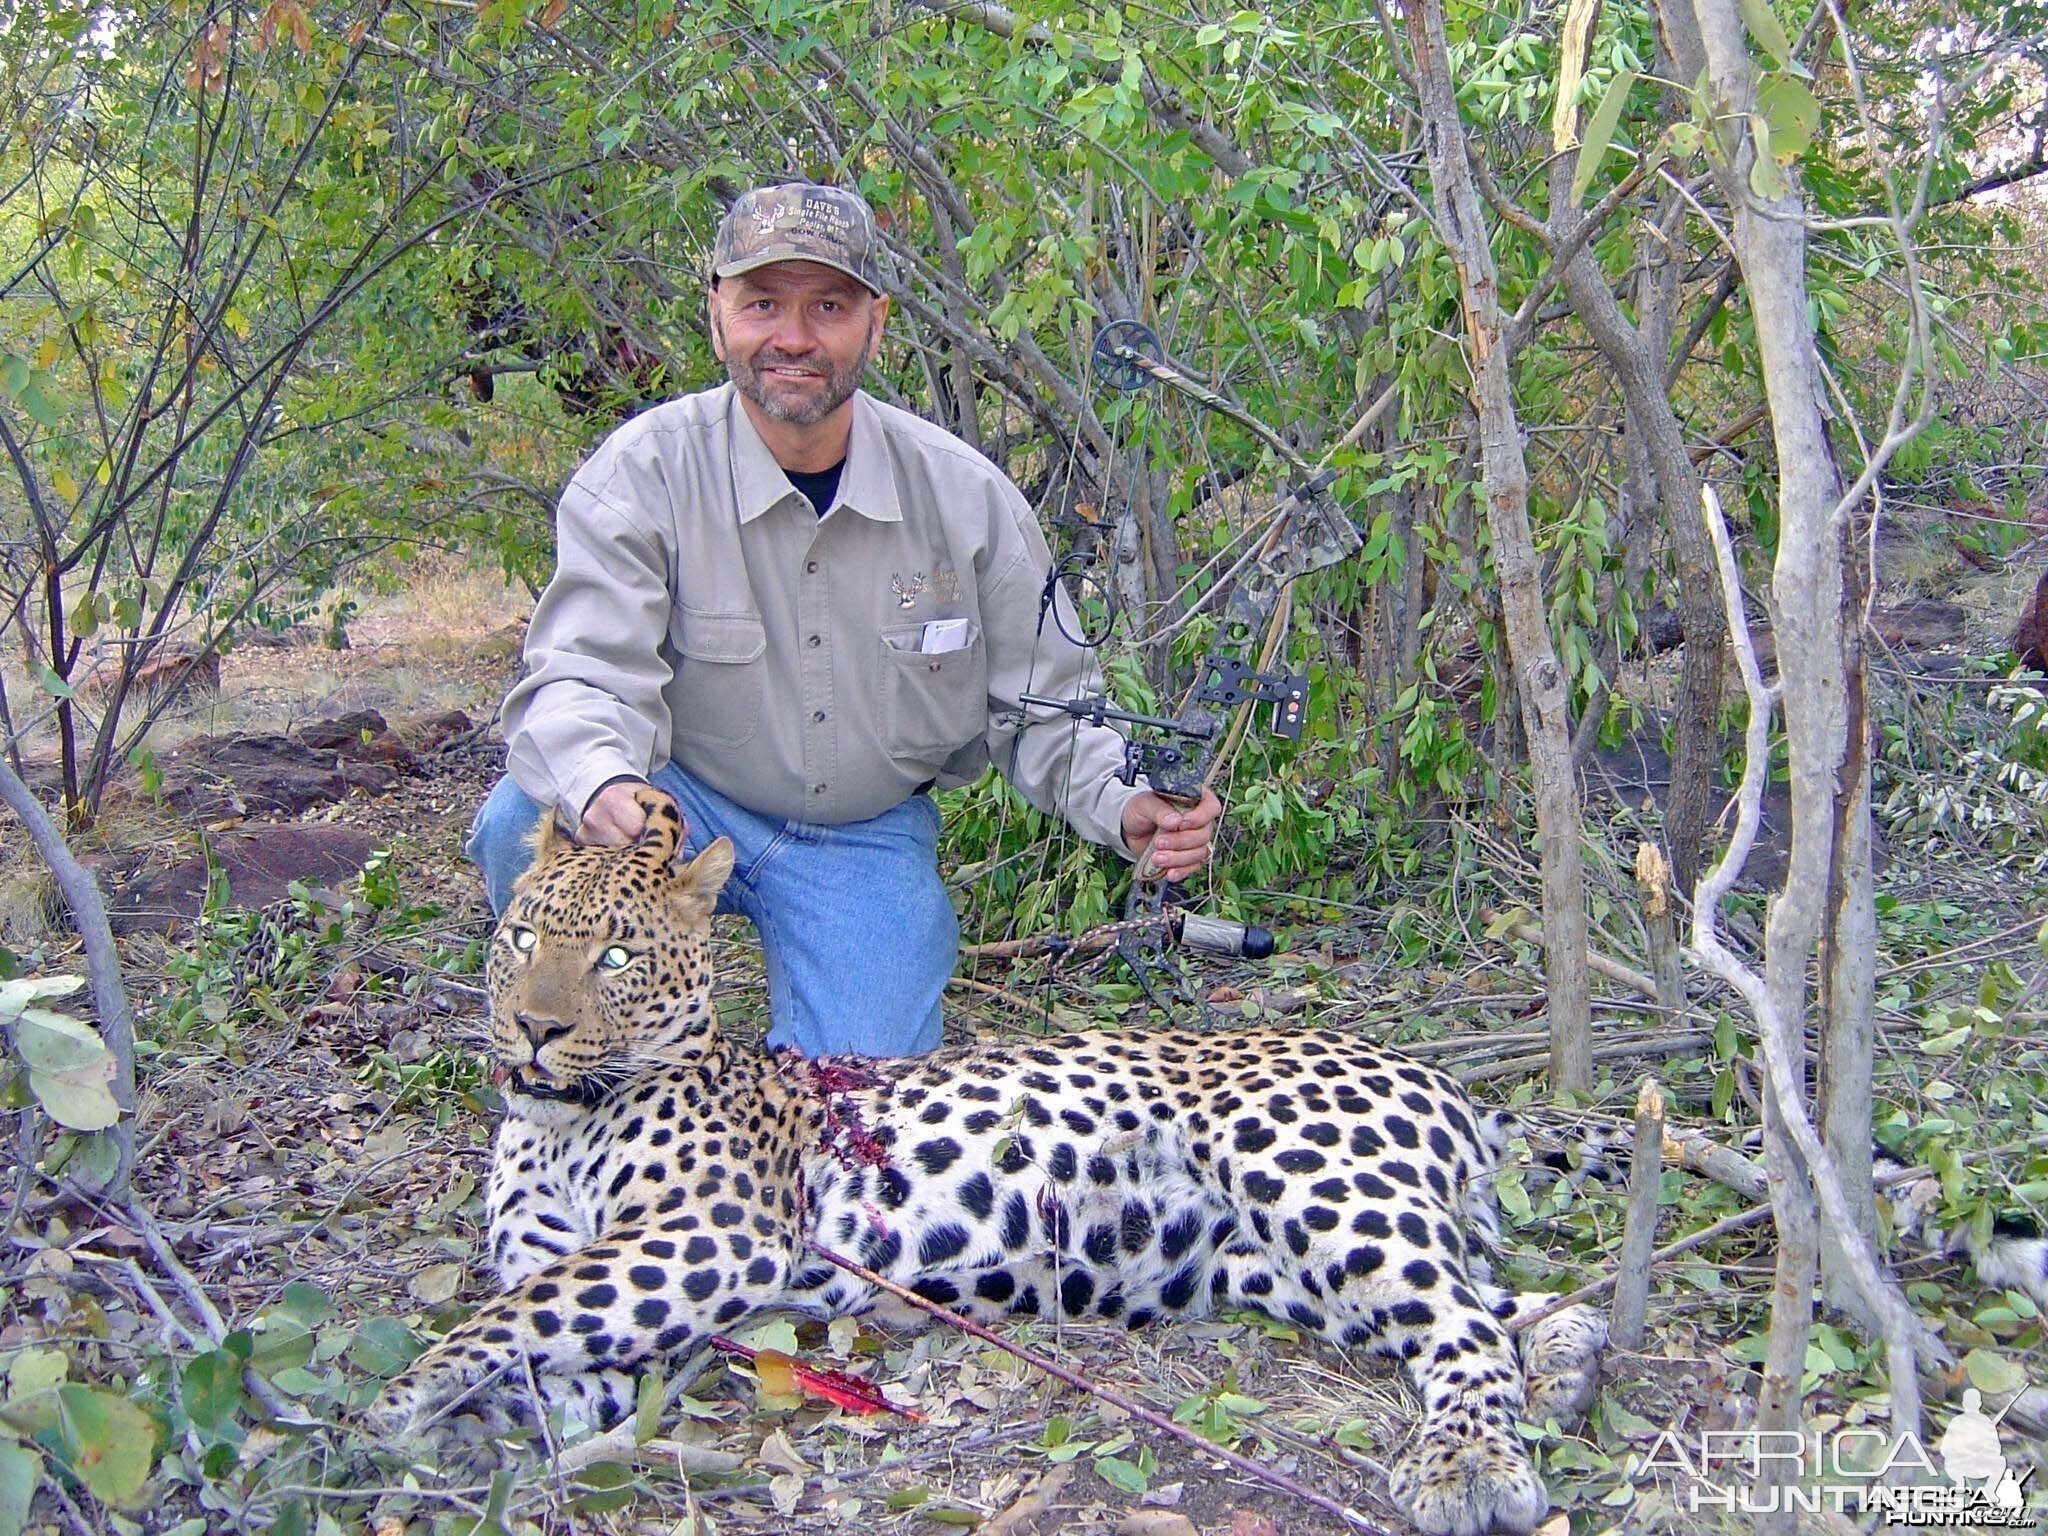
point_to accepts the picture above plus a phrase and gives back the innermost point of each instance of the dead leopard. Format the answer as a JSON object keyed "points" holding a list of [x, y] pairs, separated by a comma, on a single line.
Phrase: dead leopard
{"points": [[653, 1184]]}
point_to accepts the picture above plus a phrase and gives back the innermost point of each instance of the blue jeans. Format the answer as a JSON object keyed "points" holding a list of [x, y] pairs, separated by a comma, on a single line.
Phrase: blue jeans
{"points": [[856, 930]]}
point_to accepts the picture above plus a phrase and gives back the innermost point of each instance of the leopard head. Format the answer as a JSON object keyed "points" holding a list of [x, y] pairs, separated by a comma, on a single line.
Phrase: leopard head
{"points": [[601, 964]]}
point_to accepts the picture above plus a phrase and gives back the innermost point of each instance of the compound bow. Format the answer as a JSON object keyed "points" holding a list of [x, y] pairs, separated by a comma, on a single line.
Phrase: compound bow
{"points": [[1180, 754]]}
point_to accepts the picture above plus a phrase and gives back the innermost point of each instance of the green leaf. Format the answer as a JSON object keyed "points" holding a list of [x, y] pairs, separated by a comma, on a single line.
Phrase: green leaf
{"points": [[18, 994], [1789, 107], [56, 1042], [1623, 1422], [647, 1408], [1943, 1043], [38, 405], [779, 1335], [1118, 1473], [1764, 26], [1992, 1372], [383, 1347], [907, 1498], [306, 1304], [13, 375], [80, 1100], [1600, 131], [108, 1442], [211, 1388], [20, 1470], [36, 1370], [98, 1158], [947, 1514], [69, 1069], [1765, 178]]}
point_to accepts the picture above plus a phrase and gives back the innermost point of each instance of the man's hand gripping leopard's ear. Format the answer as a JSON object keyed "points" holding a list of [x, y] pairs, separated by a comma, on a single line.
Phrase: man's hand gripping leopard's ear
{"points": [[617, 814]]}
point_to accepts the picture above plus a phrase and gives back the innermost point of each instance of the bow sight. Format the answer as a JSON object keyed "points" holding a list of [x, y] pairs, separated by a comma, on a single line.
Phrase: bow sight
{"points": [[1307, 532]]}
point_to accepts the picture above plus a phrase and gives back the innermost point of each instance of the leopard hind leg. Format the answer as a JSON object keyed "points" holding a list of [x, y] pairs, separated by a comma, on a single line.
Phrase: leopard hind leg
{"points": [[1560, 1355]]}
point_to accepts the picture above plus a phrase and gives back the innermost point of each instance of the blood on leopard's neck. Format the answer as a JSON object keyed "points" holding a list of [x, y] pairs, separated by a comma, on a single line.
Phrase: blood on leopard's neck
{"points": [[832, 1086]]}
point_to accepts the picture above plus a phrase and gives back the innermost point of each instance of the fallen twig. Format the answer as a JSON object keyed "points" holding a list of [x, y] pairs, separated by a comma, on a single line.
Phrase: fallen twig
{"points": [[1134, 1408], [1613, 970], [1518, 1066], [1724, 1165], [281, 1409], [990, 989], [618, 1444]]}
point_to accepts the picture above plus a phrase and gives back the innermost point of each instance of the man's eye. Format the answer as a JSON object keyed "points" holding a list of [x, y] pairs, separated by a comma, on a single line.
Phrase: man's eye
{"points": [[616, 957], [523, 939]]}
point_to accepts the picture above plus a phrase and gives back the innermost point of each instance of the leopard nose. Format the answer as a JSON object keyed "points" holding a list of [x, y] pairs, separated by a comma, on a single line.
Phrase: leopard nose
{"points": [[541, 1030]]}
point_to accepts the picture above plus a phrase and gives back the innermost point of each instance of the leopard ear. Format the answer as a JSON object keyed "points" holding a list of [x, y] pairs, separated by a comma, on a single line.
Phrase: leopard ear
{"points": [[704, 877], [662, 835], [548, 839]]}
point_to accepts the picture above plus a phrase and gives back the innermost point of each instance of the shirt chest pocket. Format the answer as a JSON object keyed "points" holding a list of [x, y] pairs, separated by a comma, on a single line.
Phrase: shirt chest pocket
{"points": [[933, 703], [717, 696]]}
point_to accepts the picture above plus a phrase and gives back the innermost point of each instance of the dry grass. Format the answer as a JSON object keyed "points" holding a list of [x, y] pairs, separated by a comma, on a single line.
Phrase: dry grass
{"points": [[439, 638], [29, 905]]}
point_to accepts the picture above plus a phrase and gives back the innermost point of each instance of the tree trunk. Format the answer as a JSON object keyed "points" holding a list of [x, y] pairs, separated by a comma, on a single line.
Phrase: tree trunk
{"points": [[1637, 363], [1828, 773], [1504, 474], [1848, 1038]]}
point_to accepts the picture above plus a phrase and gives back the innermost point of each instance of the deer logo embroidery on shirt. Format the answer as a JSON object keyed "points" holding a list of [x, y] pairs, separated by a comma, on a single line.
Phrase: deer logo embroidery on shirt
{"points": [[907, 592]]}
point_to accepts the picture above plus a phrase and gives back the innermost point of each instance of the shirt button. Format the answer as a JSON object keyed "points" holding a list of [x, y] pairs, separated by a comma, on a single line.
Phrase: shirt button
{"points": [[814, 642], [817, 789], [810, 567], [818, 717]]}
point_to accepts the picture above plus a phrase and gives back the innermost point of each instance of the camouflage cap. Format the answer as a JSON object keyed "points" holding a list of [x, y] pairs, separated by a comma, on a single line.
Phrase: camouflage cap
{"points": [[800, 221]]}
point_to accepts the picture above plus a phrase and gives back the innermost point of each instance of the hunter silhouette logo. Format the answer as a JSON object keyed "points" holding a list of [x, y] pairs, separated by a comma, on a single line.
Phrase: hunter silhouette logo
{"points": [[1970, 1452]]}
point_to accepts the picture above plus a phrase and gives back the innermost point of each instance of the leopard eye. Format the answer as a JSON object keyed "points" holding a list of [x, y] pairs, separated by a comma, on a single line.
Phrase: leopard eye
{"points": [[616, 957], [523, 939]]}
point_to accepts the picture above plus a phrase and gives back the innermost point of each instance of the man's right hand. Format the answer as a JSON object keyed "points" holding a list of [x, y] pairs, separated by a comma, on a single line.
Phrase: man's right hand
{"points": [[614, 816]]}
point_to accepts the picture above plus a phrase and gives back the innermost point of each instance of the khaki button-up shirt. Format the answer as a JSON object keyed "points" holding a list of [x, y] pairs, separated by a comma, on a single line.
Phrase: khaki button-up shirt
{"points": [[702, 611]]}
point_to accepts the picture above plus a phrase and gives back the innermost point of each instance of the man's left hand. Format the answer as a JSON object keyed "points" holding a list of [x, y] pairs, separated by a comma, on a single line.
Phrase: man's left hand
{"points": [[1171, 841]]}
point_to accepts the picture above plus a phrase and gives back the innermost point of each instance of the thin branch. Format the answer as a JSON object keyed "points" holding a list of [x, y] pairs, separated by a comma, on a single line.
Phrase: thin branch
{"points": [[103, 964]]}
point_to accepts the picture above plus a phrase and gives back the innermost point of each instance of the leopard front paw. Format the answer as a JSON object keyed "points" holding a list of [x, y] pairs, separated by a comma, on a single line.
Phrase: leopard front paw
{"points": [[1466, 1476]]}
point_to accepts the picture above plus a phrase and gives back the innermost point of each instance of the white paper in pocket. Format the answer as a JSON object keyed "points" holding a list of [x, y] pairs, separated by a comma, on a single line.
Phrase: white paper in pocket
{"points": [[941, 635]]}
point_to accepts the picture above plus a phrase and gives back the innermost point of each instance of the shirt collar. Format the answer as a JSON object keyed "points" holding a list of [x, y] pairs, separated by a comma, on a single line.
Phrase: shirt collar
{"points": [[866, 486]]}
